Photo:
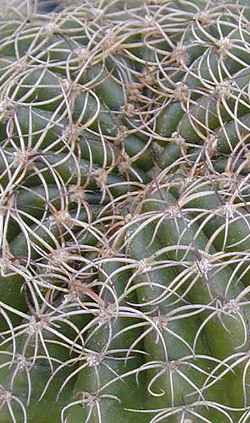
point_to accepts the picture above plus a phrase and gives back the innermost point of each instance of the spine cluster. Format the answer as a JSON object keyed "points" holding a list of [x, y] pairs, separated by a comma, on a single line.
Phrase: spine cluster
{"points": [[124, 212]]}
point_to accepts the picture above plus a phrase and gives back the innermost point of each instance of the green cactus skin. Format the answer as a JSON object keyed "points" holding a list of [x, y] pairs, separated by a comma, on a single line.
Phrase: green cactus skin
{"points": [[124, 211]]}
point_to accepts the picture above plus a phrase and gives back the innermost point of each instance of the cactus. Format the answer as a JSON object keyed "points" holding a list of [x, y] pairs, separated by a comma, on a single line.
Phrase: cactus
{"points": [[124, 211]]}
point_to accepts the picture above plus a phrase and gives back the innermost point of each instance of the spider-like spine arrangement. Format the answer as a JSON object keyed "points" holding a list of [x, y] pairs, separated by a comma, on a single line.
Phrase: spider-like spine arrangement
{"points": [[125, 211]]}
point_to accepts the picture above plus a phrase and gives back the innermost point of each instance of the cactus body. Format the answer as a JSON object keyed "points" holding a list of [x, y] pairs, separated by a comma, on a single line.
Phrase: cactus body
{"points": [[124, 211]]}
